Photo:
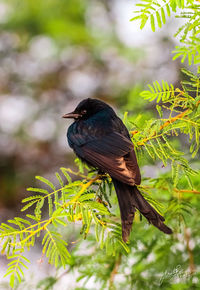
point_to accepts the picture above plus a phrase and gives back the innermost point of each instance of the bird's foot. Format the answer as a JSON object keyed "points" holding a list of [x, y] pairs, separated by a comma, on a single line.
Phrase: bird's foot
{"points": [[102, 175]]}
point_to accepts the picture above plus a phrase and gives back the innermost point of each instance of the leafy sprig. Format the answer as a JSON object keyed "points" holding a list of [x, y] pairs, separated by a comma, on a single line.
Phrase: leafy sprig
{"points": [[75, 201], [156, 11]]}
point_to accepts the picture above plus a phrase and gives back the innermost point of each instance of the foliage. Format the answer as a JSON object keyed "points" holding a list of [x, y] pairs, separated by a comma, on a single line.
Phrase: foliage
{"points": [[67, 21], [171, 141], [156, 12], [80, 200]]}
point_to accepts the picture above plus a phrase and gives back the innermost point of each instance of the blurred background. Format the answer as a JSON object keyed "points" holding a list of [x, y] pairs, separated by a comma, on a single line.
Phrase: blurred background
{"points": [[55, 53]]}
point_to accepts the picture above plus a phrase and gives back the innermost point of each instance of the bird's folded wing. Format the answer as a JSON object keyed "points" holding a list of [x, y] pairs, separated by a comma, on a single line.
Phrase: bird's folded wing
{"points": [[113, 154]]}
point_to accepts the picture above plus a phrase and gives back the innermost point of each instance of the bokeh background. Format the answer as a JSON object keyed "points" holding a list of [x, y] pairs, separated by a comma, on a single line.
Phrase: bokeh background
{"points": [[53, 54]]}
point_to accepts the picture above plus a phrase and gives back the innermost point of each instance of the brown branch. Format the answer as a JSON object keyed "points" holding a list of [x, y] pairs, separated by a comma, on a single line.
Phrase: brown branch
{"points": [[168, 122], [174, 189], [115, 271], [172, 120], [189, 250], [187, 191]]}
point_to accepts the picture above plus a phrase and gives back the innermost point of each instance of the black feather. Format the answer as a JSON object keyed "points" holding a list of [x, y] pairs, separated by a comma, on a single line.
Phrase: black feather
{"points": [[129, 201], [101, 140]]}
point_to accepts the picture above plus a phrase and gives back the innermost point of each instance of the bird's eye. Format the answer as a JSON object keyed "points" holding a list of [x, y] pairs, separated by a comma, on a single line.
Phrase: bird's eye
{"points": [[83, 112]]}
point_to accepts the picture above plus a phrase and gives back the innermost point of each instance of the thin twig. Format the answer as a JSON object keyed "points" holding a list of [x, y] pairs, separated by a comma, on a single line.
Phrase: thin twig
{"points": [[115, 270], [168, 122], [189, 250], [174, 189]]}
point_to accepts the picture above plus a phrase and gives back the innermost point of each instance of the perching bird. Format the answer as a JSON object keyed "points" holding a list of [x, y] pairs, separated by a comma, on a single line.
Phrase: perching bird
{"points": [[99, 138]]}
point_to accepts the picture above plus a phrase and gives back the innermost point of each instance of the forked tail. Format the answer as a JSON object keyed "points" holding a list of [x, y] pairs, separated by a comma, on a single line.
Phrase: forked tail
{"points": [[130, 198]]}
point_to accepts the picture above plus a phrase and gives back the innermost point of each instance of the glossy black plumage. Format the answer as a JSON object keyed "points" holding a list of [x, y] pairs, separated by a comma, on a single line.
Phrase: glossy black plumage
{"points": [[100, 139]]}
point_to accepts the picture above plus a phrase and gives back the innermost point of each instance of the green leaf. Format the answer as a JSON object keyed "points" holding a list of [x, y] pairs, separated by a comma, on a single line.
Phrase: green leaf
{"points": [[12, 280], [158, 19], [159, 110], [29, 205], [50, 206], [59, 179], [46, 181], [31, 198], [163, 15], [173, 4], [64, 171], [143, 21], [152, 23], [41, 190], [168, 9]]}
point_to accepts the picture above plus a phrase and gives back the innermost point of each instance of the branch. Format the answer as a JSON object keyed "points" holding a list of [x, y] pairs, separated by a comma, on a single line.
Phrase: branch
{"points": [[168, 122], [190, 253], [174, 189], [115, 270], [84, 187], [187, 191]]}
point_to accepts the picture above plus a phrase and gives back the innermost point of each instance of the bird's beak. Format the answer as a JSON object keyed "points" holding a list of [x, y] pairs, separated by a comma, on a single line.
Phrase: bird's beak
{"points": [[72, 115]]}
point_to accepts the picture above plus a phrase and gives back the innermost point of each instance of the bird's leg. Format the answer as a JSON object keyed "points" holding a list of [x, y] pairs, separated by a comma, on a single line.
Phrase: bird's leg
{"points": [[101, 174]]}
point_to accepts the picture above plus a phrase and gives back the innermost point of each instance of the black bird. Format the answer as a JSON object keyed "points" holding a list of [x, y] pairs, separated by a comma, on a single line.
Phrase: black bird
{"points": [[99, 138]]}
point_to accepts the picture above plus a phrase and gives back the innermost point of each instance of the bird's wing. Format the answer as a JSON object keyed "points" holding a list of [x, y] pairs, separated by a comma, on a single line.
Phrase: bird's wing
{"points": [[114, 154]]}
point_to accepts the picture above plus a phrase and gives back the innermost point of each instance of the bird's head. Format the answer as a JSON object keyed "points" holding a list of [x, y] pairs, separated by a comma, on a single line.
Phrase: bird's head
{"points": [[87, 108]]}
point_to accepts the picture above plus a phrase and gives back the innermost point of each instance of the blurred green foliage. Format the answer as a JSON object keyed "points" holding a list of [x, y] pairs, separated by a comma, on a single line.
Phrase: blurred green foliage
{"points": [[63, 20]]}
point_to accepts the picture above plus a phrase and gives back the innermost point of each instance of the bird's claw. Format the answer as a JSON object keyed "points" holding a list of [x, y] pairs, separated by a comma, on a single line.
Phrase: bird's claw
{"points": [[102, 175]]}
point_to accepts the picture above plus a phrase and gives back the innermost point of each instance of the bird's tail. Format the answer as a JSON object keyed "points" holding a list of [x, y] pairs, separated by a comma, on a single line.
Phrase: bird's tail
{"points": [[129, 199]]}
